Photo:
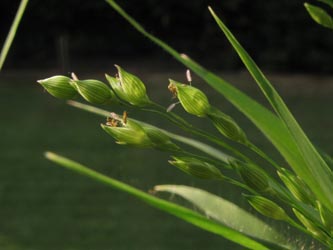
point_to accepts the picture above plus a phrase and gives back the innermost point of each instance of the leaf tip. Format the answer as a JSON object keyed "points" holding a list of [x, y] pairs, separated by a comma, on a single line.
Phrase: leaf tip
{"points": [[49, 155]]}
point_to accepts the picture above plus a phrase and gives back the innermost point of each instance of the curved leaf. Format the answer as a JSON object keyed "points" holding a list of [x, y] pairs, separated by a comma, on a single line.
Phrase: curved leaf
{"points": [[228, 214], [305, 159], [166, 206]]}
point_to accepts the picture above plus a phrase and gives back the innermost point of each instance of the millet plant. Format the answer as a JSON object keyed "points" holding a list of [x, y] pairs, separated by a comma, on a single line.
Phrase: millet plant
{"points": [[300, 191]]}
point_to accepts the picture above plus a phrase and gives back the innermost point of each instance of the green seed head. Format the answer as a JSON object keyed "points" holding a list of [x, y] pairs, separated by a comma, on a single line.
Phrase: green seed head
{"points": [[93, 91], [196, 168], [267, 207], [227, 126], [59, 87], [129, 88], [254, 177], [159, 140], [193, 100]]}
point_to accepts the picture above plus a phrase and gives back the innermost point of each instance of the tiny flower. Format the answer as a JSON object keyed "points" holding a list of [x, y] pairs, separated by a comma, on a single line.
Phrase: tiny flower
{"points": [[129, 132], [227, 126], [59, 86], [93, 91], [135, 133], [129, 88], [267, 207], [193, 100], [196, 167]]}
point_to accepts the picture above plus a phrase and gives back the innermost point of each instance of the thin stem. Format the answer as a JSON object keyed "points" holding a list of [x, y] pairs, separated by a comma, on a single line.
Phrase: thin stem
{"points": [[239, 184], [88, 108], [189, 128], [262, 154], [205, 159], [12, 32]]}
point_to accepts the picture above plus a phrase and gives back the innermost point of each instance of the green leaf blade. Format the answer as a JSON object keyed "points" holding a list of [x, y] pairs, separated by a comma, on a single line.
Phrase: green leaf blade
{"points": [[305, 161], [166, 206], [228, 214]]}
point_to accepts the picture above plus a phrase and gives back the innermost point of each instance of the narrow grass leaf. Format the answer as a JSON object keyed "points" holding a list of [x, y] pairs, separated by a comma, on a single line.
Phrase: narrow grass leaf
{"points": [[319, 15], [313, 170], [169, 207], [209, 150], [228, 213], [12, 32], [89, 108]]}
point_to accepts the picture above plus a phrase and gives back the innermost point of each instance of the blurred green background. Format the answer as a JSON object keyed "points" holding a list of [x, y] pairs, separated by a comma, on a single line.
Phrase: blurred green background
{"points": [[43, 206]]}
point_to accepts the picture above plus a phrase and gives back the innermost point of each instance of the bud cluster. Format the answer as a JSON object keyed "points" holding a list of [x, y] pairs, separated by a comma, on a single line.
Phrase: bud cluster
{"points": [[124, 88]]}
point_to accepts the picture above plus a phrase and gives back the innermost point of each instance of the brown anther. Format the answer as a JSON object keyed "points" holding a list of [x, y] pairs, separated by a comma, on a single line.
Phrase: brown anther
{"points": [[172, 88], [124, 117], [112, 122]]}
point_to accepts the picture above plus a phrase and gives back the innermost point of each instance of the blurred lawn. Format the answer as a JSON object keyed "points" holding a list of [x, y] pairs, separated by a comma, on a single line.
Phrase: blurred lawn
{"points": [[46, 207]]}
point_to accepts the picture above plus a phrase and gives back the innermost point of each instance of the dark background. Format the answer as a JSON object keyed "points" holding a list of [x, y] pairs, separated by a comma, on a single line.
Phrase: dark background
{"points": [[278, 34]]}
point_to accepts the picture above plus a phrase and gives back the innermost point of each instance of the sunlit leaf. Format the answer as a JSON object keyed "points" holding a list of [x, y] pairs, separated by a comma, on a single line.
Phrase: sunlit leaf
{"points": [[306, 161], [229, 214], [166, 206]]}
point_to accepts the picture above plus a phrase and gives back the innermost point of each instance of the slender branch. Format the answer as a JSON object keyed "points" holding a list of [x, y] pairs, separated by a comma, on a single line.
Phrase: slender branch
{"points": [[12, 32]]}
